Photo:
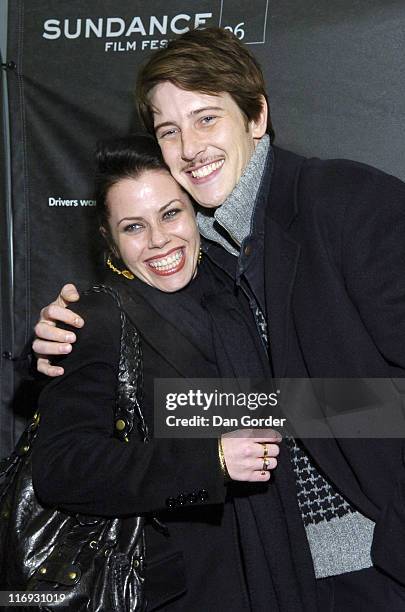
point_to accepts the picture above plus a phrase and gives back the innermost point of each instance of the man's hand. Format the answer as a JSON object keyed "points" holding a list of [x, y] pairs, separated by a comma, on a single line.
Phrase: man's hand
{"points": [[250, 454], [50, 340]]}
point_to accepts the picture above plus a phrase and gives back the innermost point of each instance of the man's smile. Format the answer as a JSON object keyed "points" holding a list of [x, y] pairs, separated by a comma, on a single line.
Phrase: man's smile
{"points": [[207, 169]]}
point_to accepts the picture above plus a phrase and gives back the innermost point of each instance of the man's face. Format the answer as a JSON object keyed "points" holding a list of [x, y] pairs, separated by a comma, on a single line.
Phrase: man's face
{"points": [[205, 140]]}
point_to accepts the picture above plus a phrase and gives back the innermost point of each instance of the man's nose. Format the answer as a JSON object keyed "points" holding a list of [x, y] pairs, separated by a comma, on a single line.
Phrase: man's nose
{"points": [[191, 145], [157, 237]]}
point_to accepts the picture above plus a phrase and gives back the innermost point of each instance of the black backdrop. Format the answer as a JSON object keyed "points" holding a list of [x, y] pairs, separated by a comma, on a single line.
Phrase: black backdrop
{"points": [[336, 82]]}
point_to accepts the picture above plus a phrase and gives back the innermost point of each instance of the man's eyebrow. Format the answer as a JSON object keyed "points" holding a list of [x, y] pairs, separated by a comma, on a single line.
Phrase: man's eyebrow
{"points": [[192, 113], [204, 109]]}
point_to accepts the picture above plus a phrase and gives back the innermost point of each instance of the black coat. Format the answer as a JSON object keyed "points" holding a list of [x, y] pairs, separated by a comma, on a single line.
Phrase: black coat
{"points": [[335, 291], [79, 467]]}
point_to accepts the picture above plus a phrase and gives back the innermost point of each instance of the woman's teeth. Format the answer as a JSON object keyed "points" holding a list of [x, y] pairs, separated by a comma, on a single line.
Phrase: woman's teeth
{"points": [[167, 263], [206, 170]]}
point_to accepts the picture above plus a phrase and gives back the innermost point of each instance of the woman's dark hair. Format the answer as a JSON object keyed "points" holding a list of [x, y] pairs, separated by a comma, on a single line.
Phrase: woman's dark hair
{"points": [[121, 158]]}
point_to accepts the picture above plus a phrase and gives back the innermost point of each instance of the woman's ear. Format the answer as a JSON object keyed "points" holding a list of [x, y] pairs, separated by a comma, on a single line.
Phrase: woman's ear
{"points": [[107, 237]]}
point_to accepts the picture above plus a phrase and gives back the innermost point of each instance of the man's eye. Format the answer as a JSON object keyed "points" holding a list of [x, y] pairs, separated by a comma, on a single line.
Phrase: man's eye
{"points": [[170, 214], [208, 119]]}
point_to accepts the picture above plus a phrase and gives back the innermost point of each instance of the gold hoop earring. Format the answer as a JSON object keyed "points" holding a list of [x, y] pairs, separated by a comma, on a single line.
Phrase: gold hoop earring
{"points": [[125, 273]]}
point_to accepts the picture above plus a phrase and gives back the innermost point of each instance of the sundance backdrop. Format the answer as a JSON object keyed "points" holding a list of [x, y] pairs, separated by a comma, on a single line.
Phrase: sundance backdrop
{"points": [[336, 82]]}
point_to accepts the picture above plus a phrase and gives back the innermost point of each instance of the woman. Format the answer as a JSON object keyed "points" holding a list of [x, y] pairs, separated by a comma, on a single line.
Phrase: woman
{"points": [[179, 308]]}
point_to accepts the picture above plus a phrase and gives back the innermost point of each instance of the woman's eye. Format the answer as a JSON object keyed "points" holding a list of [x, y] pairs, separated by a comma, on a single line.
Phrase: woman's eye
{"points": [[132, 227], [168, 133]]}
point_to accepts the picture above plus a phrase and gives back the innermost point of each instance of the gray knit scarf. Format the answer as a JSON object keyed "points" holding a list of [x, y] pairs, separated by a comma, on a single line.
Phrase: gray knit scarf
{"points": [[235, 214]]}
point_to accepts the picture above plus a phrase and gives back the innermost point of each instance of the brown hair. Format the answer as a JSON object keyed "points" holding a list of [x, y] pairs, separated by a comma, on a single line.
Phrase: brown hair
{"points": [[210, 61]]}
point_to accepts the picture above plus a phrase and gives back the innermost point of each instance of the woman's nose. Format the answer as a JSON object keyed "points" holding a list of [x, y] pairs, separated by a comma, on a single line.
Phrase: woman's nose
{"points": [[157, 238]]}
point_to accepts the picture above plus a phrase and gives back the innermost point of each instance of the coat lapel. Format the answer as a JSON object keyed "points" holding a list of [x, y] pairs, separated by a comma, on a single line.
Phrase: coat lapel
{"points": [[280, 272], [281, 254]]}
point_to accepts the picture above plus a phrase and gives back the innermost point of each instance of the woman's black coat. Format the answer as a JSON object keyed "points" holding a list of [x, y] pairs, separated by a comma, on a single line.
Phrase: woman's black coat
{"points": [[80, 467]]}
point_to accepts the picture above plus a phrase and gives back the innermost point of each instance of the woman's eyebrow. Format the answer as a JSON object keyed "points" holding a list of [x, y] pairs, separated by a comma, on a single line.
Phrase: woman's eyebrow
{"points": [[161, 209], [168, 204]]}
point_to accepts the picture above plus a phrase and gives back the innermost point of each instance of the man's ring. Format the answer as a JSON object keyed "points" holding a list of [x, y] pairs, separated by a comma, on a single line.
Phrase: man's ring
{"points": [[266, 462], [265, 450]]}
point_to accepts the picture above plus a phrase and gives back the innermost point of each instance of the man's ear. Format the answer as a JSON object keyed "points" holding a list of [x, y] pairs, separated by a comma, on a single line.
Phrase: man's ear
{"points": [[259, 125]]}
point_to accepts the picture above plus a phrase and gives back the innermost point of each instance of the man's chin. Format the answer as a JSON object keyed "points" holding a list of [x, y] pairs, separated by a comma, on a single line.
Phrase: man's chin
{"points": [[206, 201], [210, 204], [204, 195]]}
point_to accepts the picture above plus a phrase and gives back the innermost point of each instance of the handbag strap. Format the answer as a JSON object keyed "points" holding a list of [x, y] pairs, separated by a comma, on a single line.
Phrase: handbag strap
{"points": [[127, 408], [130, 374]]}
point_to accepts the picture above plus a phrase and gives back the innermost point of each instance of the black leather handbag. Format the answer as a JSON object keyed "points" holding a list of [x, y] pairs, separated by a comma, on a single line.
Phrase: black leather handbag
{"points": [[97, 563]]}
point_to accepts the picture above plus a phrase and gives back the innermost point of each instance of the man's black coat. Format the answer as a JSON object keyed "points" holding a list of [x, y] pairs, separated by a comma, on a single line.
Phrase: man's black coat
{"points": [[335, 301]]}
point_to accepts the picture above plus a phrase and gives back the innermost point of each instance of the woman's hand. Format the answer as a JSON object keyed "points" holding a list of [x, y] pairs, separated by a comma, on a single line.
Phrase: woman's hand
{"points": [[250, 454], [51, 340]]}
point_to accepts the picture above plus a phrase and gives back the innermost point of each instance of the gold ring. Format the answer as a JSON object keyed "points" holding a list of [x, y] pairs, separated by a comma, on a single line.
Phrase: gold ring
{"points": [[265, 450], [266, 462]]}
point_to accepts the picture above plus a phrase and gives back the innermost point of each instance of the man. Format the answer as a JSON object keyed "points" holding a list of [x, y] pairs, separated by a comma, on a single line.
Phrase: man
{"points": [[320, 248]]}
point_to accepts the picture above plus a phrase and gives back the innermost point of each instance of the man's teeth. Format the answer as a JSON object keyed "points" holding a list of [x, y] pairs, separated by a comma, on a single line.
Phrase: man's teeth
{"points": [[206, 170], [167, 263]]}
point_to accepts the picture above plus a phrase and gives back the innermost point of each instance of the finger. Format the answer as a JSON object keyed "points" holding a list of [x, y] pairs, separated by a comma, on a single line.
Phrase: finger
{"points": [[44, 367], [266, 435], [68, 294], [256, 435], [52, 313], [272, 450], [261, 476], [255, 451], [268, 464], [43, 347], [45, 331]]}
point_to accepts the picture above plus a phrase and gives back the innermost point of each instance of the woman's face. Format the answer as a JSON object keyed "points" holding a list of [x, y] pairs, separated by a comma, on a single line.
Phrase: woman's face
{"points": [[152, 223]]}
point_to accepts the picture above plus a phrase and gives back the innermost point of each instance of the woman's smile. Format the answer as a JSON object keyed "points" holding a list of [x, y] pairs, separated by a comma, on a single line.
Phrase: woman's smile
{"points": [[169, 263]]}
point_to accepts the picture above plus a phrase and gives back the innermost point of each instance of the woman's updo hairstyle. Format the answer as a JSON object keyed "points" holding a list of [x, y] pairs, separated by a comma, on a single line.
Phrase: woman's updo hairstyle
{"points": [[121, 158]]}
